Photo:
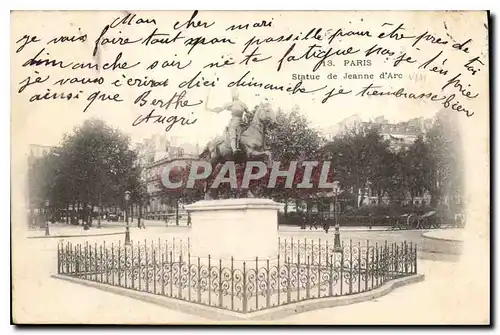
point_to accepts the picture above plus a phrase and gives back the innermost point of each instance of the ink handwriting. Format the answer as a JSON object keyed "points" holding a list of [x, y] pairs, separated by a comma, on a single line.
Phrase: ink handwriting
{"points": [[148, 56]]}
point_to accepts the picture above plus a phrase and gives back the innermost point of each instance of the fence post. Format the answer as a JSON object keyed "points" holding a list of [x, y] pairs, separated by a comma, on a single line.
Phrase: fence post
{"points": [[125, 265], [308, 286], [319, 269], [58, 259], [179, 294], [285, 253], [132, 265], [319, 253], [101, 267], [139, 266], [330, 284], [386, 262], [146, 270], [359, 266], [405, 257], [305, 249], [232, 283], [189, 274], [153, 249], [95, 262], [105, 266], [154, 270], [367, 262], [297, 264], [209, 282], [401, 260], [162, 272], [112, 264], [171, 274], [342, 269], [69, 256], [256, 283], [164, 261], [350, 267], [119, 264], [396, 260], [199, 282], [244, 288], [372, 265], [327, 258], [220, 282], [77, 260], [268, 283], [415, 260], [409, 257], [279, 279], [86, 260]]}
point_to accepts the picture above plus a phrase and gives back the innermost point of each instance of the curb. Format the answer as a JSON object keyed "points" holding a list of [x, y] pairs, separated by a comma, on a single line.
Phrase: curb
{"points": [[330, 230], [438, 247], [431, 237], [273, 313], [81, 235]]}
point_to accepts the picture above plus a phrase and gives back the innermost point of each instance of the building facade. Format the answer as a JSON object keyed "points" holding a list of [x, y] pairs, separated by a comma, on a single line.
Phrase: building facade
{"points": [[351, 122], [39, 151], [155, 153], [401, 135]]}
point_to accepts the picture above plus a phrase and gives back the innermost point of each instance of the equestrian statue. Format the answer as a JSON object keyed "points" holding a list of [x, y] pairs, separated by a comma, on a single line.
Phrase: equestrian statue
{"points": [[238, 145]]}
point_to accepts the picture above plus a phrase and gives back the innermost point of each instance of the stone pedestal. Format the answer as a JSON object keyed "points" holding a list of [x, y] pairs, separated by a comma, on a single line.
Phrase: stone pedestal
{"points": [[242, 228]]}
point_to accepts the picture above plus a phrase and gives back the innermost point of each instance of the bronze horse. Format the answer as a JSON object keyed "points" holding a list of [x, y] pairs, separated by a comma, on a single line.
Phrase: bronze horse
{"points": [[251, 145]]}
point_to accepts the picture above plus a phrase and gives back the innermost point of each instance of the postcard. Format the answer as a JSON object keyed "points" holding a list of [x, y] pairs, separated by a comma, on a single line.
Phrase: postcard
{"points": [[250, 167]]}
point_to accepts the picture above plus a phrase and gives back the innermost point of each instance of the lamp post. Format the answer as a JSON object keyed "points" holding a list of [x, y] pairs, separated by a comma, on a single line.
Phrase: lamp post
{"points": [[127, 229], [47, 231], [337, 247]]}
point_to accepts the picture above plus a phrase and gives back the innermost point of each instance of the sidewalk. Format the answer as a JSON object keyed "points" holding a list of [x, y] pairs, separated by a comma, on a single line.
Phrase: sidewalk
{"points": [[285, 228], [59, 230], [147, 223]]}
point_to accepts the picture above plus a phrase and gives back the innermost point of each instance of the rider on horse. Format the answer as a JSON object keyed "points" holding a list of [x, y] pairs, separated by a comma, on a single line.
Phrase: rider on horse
{"points": [[237, 109]]}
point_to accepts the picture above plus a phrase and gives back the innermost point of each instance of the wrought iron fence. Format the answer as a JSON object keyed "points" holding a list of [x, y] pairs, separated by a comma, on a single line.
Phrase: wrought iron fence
{"points": [[301, 271]]}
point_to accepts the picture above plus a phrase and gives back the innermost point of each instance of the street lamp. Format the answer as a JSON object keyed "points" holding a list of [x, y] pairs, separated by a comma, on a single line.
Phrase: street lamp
{"points": [[127, 229], [337, 247], [47, 232]]}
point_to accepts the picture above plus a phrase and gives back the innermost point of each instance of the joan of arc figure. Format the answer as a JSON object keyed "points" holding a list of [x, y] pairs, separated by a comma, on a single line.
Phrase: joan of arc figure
{"points": [[237, 109]]}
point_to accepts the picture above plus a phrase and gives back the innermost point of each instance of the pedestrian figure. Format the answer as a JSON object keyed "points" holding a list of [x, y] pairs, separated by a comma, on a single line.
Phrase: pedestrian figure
{"points": [[140, 223], [303, 219], [313, 224], [326, 226]]}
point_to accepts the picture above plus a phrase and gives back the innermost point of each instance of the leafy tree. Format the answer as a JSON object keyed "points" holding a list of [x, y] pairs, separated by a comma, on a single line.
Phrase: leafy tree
{"points": [[417, 167], [292, 138], [93, 167], [360, 158]]}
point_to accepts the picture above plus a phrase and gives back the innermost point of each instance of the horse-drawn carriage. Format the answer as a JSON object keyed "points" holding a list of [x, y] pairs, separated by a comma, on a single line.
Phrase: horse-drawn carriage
{"points": [[428, 220]]}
